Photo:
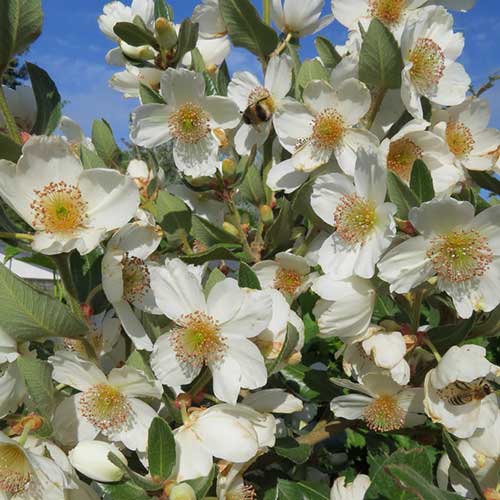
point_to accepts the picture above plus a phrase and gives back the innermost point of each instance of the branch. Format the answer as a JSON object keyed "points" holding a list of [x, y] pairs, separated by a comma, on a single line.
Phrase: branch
{"points": [[488, 85]]}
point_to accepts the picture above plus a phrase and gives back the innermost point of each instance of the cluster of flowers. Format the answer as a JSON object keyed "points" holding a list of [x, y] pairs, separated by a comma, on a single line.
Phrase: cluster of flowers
{"points": [[200, 346]]}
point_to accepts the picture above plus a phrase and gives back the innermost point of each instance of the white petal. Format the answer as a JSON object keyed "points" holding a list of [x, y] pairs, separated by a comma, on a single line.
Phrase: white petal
{"points": [[273, 401], [292, 122], [136, 436], [370, 178], [223, 111], [179, 86], [241, 86], [70, 369], [284, 176], [278, 78], [225, 300], [199, 159], [354, 100], [351, 407], [226, 374], [133, 326], [354, 140], [149, 125], [193, 459], [134, 383], [328, 190], [251, 362]]}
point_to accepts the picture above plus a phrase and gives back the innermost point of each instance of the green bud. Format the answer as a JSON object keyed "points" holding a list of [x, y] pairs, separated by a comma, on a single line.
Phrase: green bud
{"points": [[229, 228], [266, 214], [165, 33], [228, 168], [182, 492]]}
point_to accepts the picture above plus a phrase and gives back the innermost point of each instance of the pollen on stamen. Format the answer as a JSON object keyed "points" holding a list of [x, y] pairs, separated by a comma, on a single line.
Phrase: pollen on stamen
{"points": [[106, 408], [242, 492], [59, 208], [136, 278], [459, 139], [428, 64], [384, 414], [287, 281], [387, 11], [190, 123], [15, 470], [402, 155], [196, 339], [328, 129], [355, 219], [460, 255]]}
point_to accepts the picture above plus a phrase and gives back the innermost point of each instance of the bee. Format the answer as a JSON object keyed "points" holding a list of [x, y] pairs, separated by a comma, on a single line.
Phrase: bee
{"points": [[460, 393], [261, 111]]}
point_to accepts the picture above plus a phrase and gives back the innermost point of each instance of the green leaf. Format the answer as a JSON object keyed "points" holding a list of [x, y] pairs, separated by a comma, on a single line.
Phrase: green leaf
{"points": [[37, 376], [161, 10], [209, 234], [213, 278], [20, 25], [290, 448], [327, 52], [310, 384], [122, 491], [278, 237], [247, 277], [459, 462], [252, 187], [288, 490], [104, 142], [223, 79], [137, 479], [90, 159], [222, 251], [186, 41], [246, 28], [311, 70], [485, 181], [29, 314], [380, 61], [171, 213], [134, 35], [149, 96], [161, 449], [48, 100], [445, 336], [401, 195], [202, 485], [9, 150], [421, 181]]}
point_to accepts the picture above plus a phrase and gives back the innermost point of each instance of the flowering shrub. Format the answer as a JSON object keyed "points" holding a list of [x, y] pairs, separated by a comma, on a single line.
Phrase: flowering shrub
{"points": [[288, 287]]}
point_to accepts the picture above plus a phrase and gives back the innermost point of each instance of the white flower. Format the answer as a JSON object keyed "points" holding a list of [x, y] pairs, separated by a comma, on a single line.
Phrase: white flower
{"points": [[462, 250], [288, 273], [25, 475], [222, 431], [464, 129], [230, 483], [107, 406], [128, 81], [352, 491], [345, 308], [299, 18], [271, 341], [91, 459], [12, 389], [324, 126], [126, 276], [189, 119], [364, 223], [22, 106], [212, 331], [430, 48], [69, 207], [412, 143], [481, 452], [249, 94], [74, 134], [273, 401], [8, 348], [457, 393], [383, 404]]}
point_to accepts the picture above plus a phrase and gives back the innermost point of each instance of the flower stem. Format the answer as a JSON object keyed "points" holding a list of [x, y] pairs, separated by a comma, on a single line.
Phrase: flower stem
{"points": [[63, 265], [243, 237], [428, 342], [203, 380], [24, 436], [16, 236], [10, 123], [415, 310], [266, 11], [375, 107], [92, 294], [282, 46]]}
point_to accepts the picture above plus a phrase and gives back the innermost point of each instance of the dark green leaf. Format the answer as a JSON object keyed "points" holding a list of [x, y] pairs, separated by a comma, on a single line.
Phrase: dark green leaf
{"points": [[421, 181], [161, 449], [9, 150], [29, 314], [90, 159], [308, 383], [161, 10], [222, 251], [186, 42], [278, 237], [288, 490], [9, 21], [485, 181], [48, 100], [290, 448], [171, 213], [149, 96], [134, 35], [246, 28], [327, 52], [214, 277], [137, 479], [202, 485], [380, 61], [247, 277], [311, 70], [209, 234], [104, 142], [252, 187], [122, 491], [445, 336], [223, 78], [401, 195]]}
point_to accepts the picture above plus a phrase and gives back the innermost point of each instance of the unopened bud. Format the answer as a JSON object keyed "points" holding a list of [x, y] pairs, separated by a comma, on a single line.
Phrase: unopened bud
{"points": [[406, 227], [228, 168], [165, 33], [221, 137], [229, 228], [491, 494], [87, 310], [32, 421], [266, 214], [295, 358], [183, 399], [182, 492], [212, 68], [144, 52], [25, 136]]}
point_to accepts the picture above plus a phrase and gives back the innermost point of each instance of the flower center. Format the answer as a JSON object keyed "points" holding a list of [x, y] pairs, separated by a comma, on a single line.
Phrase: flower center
{"points": [[355, 218], [189, 123], [328, 129], [459, 139], [242, 492], [59, 208], [402, 156], [428, 64], [384, 414], [15, 470], [387, 11], [460, 255], [287, 281], [196, 340], [136, 278], [105, 407]]}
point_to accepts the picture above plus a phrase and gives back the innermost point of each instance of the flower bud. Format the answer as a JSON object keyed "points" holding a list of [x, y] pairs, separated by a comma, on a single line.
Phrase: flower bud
{"points": [[144, 52], [229, 228], [165, 33], [91, 459], [266, 214], [182, 492], [228, 168]]}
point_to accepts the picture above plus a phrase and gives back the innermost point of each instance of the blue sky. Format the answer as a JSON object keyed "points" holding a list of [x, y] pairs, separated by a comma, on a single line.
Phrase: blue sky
{"points": [[72, 49]]}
